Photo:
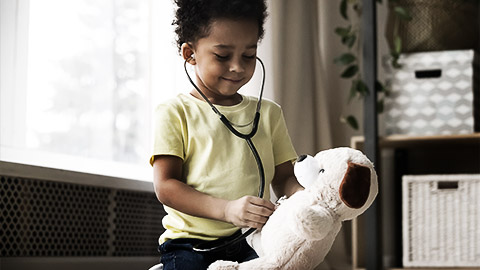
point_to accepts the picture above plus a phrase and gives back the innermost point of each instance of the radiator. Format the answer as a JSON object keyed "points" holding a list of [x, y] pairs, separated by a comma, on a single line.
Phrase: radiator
{"points": [[64, 225]]}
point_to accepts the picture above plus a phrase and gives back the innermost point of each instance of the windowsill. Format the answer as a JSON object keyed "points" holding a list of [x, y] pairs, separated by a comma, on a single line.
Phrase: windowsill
{"points": [[65, 176], [73, 163]]}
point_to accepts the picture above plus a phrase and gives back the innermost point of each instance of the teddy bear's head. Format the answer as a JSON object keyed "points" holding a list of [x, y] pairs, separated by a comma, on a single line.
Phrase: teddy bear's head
{"points": [[343, 178]]}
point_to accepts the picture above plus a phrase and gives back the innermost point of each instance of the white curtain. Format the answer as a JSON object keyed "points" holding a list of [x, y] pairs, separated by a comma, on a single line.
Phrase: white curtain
{"points": [[308, 86], [306, 82]]}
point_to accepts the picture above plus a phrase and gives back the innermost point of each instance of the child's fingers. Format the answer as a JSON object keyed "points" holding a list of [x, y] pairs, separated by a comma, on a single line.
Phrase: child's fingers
{"points": [[261, 202], [249, 211], [259, 211], [254, 221], [255, 225]]}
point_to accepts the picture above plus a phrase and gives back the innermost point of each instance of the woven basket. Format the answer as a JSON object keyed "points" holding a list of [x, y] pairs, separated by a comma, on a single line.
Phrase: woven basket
{"points": [[441, 221], [436, 25]]}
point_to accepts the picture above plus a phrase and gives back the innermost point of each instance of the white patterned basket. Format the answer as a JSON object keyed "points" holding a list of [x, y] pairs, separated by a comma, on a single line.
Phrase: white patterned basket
{"points": [[441, 220], [433, 93]]}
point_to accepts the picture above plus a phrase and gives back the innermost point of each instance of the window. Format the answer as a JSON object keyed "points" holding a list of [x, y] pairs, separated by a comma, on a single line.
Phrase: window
{"points": [[79, 80]]}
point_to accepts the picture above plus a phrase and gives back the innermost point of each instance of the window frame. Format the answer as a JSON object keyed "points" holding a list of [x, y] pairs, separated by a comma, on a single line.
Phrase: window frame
{"points": [[14, 48]]}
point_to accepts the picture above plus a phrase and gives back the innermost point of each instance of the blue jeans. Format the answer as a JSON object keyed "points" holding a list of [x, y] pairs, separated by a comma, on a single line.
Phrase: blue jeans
{"points": [[177, 254]]}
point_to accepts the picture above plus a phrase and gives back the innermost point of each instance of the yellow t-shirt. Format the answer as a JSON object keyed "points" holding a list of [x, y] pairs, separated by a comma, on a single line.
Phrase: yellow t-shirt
{"points": [[215, 161]]}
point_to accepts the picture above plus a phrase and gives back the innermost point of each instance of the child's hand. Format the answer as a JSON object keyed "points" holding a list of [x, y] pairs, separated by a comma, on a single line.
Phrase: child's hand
{"points": [[248, 211]]}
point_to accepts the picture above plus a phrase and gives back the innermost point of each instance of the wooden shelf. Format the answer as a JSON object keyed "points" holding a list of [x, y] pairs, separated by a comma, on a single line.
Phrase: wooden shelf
{"points": [[429, 268], [435, 268], [397, 141]]}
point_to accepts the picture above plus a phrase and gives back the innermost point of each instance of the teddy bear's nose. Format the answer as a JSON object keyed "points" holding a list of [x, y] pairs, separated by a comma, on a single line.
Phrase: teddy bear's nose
{"points": [[301, 158]]}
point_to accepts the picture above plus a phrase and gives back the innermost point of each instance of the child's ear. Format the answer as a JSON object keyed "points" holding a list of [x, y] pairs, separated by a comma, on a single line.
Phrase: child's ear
{"points": [[187, 53]]}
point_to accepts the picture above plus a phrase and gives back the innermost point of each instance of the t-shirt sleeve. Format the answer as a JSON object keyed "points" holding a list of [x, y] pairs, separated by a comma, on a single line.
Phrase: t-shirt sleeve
{"points": [[283, 149], [168, 132]]}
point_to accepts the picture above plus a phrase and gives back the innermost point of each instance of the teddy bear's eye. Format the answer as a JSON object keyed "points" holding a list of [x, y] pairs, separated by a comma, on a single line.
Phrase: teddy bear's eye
{"points": [[321, 171]]}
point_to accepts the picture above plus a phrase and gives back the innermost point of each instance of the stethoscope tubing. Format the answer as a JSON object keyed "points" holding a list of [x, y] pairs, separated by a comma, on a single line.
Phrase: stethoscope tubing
{"points": [[248, 138]]}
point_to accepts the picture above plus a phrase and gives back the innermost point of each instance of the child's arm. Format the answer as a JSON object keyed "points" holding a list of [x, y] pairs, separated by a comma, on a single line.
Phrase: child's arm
{"points": [[284, 181], [248, 211]]}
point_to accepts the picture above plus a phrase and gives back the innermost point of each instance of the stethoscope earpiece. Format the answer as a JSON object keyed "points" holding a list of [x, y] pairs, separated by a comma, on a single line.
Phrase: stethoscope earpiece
{"points": [[188, 59]]}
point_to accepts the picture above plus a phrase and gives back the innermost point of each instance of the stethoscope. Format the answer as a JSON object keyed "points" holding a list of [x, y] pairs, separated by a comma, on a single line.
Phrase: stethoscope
{"points": [[248, 138]]}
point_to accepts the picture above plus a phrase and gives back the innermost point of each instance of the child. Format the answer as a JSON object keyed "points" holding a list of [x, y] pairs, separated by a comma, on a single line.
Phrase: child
{"points": [[205, 176]]}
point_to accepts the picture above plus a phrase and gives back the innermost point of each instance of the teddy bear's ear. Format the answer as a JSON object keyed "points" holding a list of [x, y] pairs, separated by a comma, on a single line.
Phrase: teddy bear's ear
{"points": [[355, 186]]}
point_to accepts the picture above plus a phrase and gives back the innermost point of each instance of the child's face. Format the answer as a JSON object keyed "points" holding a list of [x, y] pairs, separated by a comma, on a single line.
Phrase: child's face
{"points": [[226, 58]]}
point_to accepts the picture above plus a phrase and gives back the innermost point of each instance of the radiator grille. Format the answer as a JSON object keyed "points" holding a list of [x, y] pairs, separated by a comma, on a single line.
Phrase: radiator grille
{"points": [[44, 218], [131, 212]]}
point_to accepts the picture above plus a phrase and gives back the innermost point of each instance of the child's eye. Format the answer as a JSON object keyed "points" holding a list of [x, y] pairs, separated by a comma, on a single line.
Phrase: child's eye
{"points": [[250, 56], [221, 57]]}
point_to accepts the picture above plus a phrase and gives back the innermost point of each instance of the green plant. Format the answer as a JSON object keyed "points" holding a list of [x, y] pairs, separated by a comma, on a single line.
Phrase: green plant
{"points": [[350, 61]]}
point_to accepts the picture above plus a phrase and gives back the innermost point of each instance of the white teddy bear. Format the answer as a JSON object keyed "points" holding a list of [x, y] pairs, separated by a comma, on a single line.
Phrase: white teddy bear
{"points": [[340, 184]]}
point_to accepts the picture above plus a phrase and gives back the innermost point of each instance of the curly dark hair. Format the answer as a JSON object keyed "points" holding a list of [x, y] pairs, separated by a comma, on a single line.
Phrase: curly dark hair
{"points": [[193, 17]]}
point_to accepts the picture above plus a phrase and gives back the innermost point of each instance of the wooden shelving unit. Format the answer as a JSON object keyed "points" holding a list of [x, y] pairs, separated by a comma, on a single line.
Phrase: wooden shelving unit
{"points": [[370, 254], [463, 156]]}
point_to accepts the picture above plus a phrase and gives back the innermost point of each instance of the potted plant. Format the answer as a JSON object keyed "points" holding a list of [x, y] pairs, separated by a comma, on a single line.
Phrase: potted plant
{"points": [[412, 26], [350, 61]]}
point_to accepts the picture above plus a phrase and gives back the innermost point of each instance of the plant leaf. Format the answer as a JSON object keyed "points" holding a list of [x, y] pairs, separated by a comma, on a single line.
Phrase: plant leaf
{"points": [[342, 31], [351, 121], [403, 13], [345, 59], [353, 90], [380, 106], [398, 44], [350, 71], [379, 87], [395, 56], [395, 63], [343, 9], [362, 88], [349, 40], [387, 92]]}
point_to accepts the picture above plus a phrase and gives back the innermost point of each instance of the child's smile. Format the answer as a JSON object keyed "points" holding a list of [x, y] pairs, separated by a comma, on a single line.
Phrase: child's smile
{"points": [[225, 59]]}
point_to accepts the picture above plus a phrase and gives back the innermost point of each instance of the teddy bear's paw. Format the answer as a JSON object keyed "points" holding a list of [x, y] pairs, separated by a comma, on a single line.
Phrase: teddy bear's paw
{"points": [[223, 265]]}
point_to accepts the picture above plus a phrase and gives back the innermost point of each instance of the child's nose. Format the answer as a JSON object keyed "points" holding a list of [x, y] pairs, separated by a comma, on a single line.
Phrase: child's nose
{"points": [[237, 65]]}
